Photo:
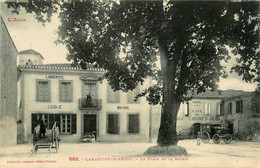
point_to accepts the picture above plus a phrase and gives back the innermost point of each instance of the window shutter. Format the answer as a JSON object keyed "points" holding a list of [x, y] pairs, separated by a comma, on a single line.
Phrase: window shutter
{"points": [[116, 129], [51, 120], [34, 121], [133, 126], [57, 120], [74, 124], [241, 106], [205, 108]]}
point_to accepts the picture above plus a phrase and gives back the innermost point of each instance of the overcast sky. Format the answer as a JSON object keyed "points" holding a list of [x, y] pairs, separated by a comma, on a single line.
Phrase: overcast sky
{"points": [[30, 34]]}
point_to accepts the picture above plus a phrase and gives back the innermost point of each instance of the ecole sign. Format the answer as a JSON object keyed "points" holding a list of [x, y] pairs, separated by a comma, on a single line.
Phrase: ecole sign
{"points": [[54, 106]]}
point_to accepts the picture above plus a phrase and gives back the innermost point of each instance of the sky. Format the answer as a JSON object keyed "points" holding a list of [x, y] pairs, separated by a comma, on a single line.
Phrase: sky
{"points": [[31, 34]]}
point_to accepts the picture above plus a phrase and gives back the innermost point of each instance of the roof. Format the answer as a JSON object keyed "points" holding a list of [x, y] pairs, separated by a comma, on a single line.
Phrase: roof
{"points": [[221, 94], [66, 66], [30, 51]]}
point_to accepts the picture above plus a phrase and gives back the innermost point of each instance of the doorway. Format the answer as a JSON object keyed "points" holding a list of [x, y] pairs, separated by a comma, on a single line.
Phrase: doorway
{"points": [[230, 127], [90, 124], [196, 129]]}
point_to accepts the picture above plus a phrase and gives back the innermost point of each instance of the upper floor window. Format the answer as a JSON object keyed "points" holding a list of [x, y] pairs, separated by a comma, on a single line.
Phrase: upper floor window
{"points": [[207, 108], [66, 91], [132, 94], [221, 108], [112, 96], [43, 93], [90, 88], [230, 108], [239, 106], [187, 109]]}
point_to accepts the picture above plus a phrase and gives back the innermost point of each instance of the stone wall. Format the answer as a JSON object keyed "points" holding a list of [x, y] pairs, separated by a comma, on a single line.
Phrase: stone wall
{"points": [[8, 88]]}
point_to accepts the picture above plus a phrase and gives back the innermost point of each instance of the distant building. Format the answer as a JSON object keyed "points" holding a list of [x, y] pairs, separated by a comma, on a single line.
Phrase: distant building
{"points": [[79, 101], [201, 109], [8, 88], [242, 113]]}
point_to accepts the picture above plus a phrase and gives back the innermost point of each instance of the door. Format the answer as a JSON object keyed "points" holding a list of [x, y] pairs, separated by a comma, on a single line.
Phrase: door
{"points": [[230, 127], [90, 123], [89, 88], [196, 129]]}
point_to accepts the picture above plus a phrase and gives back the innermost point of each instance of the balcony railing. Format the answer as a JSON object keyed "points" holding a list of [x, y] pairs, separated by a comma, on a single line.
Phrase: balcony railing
{"points": [[90, 104]]}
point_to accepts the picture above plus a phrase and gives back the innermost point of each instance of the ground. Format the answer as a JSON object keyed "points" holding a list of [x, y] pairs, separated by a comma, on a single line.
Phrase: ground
{"points": [[236, 154]]}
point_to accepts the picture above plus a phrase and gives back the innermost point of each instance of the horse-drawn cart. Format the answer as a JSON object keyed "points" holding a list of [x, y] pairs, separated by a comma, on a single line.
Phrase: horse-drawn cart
{"points": [[51, 140]]}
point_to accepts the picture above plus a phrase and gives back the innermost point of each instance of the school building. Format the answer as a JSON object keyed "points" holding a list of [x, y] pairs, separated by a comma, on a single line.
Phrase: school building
{"points": [[79, 101]]}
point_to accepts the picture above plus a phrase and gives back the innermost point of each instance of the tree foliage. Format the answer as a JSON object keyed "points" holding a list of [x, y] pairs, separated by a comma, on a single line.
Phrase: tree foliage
{"points": [[190, 39]]}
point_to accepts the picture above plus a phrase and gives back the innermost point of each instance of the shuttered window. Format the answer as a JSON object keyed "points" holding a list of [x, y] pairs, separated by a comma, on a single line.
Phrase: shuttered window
{"points": [[222, 108], [239, 106], [113, 123], [230, 108], [112, 96], [187, 109], [132, 94], [66, 91], [133, 123], [207, 108], [43, 93]]}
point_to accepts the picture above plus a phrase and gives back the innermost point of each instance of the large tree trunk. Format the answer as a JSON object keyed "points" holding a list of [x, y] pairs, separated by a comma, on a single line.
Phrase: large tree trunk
{"points": [[170, 103]]}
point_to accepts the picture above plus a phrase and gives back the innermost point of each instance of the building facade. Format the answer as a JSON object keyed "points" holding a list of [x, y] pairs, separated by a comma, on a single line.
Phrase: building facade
{"points": [[80, 101], [204, 108], [8, 88], [242, 113]]}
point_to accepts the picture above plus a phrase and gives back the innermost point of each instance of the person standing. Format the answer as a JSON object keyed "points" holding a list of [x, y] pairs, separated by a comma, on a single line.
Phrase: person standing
{"points": [[42, 127], [198, 138]]}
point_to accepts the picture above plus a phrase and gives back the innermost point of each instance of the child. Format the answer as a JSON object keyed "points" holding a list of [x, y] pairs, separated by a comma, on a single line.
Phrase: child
{"points": [[198, 138]]}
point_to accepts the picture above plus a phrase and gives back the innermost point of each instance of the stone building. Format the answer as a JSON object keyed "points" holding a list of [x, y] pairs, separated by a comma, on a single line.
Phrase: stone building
{"points": [[8, 88], [242, 113], [79, 101], [203, 108]]}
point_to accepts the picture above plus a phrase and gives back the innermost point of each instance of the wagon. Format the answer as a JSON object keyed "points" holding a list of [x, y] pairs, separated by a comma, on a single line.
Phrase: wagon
{"points": [[215, 132], [50, 141], [222, 133]]}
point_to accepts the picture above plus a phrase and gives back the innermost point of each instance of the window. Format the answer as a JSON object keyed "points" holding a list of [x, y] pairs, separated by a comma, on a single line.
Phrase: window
{"points": [[112, 96], [66, 123], [66, 91], [222, 108], [207, 108], [239, 106], [187, 109], [90, 88], [62, 121], [230, 108], [43, 93], [133, 123], [113, 124], [131, 95]]}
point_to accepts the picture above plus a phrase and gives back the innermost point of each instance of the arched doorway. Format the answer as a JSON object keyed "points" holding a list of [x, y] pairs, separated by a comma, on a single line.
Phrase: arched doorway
{"points": [[195, 129]]}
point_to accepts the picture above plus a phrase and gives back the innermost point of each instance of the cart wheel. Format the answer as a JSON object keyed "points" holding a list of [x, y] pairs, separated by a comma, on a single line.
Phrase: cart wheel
{"points": [[205, 137], [216, 138], [227, 138], [57, 145]]}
